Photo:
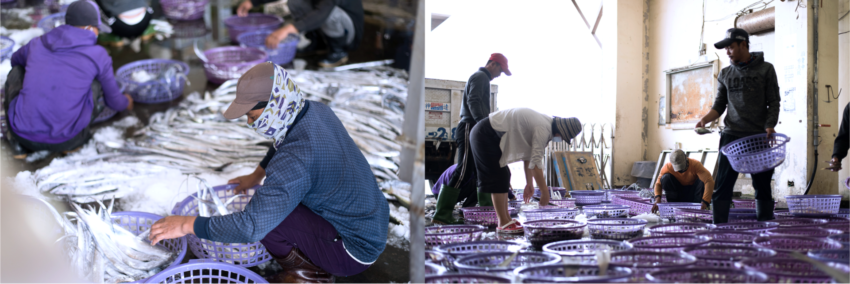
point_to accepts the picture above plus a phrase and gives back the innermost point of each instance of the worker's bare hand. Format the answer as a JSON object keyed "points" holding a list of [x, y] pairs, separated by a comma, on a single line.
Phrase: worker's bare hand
{"points": [[655, 208], [244, 7], [245, 182], [700, 124], [129, 101], [834, 164], [527, 193], [278, 35], [770, 131], [172, 227], [703, 206]]}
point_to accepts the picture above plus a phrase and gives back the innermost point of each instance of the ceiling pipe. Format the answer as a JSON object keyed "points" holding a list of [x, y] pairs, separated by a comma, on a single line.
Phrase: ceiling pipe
{"points": [[757, 22]]}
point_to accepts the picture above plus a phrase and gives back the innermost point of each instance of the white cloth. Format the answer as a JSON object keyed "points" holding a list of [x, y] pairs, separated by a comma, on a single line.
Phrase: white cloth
{"points": [[527, 132]]}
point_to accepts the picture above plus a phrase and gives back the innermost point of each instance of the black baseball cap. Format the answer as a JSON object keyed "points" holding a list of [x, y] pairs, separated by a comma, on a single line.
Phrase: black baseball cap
{"points": [[85, 13], [732, 35]]}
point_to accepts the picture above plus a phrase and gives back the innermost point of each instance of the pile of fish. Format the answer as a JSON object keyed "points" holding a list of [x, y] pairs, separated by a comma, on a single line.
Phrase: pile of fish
{"points": [[103, 252], [210, 204]]}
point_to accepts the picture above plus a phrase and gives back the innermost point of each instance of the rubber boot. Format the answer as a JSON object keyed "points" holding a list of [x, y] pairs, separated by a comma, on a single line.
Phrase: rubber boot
{"points": [[764, 210], [720, 211], [446, 205], [484, 199], [297, 268], [337, 55]]}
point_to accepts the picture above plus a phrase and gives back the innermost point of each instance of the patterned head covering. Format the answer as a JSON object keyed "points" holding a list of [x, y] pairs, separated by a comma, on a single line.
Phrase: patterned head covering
{"points": [[284, 104], [568, 127]]}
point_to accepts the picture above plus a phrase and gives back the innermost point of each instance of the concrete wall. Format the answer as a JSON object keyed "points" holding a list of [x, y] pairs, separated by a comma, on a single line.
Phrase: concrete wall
{"points": [[843, 81], [674, 29]]}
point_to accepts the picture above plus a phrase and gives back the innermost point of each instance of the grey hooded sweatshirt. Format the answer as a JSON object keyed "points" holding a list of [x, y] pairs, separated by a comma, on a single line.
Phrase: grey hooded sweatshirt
{"points": [[751, 93]]}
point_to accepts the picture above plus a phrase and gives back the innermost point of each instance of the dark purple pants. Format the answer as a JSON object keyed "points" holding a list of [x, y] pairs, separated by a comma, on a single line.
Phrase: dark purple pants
{"points": [[316, 238]]}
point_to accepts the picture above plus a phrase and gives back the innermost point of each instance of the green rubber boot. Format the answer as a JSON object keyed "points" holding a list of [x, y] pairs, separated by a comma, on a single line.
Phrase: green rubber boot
{"points": [[446, 205], [484, 199]]}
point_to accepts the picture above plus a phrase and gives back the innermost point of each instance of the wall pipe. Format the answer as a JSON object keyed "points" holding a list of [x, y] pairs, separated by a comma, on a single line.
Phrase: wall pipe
{"points": [[757, 22], [815, 100]]}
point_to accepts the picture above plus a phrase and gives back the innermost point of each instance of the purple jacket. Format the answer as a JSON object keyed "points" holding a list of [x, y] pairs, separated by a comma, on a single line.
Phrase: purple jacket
{"points": [[55, 103]]}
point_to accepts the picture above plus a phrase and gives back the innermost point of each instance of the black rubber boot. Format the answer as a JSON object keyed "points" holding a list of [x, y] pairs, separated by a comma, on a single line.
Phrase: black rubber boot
{"points": [[720, 211], [338, 56], [764, 210], [446, 205], [484, 199]]}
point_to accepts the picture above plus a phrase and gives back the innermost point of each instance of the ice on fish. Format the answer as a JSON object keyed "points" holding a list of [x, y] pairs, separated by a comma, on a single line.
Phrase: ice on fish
{"points": [[141, 76]]}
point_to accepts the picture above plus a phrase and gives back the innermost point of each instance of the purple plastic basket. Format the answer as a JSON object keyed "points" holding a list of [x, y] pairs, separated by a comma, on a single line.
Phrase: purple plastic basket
{"points": [[458, 250], [283, 54], [482, 215], [560, 190], [667, 243], [843, 212], [665, 209], [542, 232], [184, 10], [685, 215], [584, 251], [587, 197], [726, 256], [515, 204], [844, 227], [230, 62], [805, 231], [245, 255], [844, 239], [156, 90], [679, 229], [253, 22], [562, 203], [813, 205], [753, 227], [138, 222], [637, 206], [450, 234], [556, 273], [206, 272], [729, 237], [748, 203], [466, 278], [616, 228], [435, 257], [52, 21], [606, 211], [189, 30], [6, 46], [789, 270], [755, 154], [737, 215], [706, 275], [779, 215], [800, 223], [106, 114], [643, 262], [488, 262], [610, 193], [784, 245], [550, 213], [835, 255], [434, 269]]}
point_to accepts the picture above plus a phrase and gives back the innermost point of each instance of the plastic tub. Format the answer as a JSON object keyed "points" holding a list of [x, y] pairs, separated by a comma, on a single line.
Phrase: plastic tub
{"points": [[616, 228], [755, 154], [665, 209], [252, 22], [587, 197], [584, 251], [542, 232], [813, 205], [800, 223], [679, 229], [826, 255], [184, 10], [156, 90], [726, 256], [482, 215], [206, 272], [752, 227], [729, 237], [667, 243], [577, 274], [550, 214], [789, 270], [643, 262], [450, 234], [706, 275], [50, 22], [685, 215], [784, 245], [488, 262], [282, 55], [230, 62], [245, 254], [606, 211], [466, 278]]}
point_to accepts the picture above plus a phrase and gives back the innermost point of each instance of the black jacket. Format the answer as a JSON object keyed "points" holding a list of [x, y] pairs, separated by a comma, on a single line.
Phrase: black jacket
{"points": [[475, 104], [311, 14], [750, 93], [842, 141]]}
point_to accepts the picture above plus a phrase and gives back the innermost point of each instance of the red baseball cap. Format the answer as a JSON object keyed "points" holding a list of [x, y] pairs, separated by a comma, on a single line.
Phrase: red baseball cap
{"points": [[498, 57]]}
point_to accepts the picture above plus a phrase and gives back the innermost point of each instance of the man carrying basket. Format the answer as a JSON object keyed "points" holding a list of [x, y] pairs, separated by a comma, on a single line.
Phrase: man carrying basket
{"points": [[749, 89]]}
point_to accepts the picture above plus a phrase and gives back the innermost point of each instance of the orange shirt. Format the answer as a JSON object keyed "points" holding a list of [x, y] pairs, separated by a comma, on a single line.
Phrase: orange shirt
{"points": [[695, 170]]}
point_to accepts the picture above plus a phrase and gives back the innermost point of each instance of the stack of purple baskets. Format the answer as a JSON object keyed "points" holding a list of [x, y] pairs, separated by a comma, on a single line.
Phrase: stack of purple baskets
{"points": [[157, 90], [50, 22], [283, 54], [643, 262], [184, 10], [252, 22], [6, 46], [450, 234], [245, 255], [230, 62], [616, 228], [587, 197]]}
